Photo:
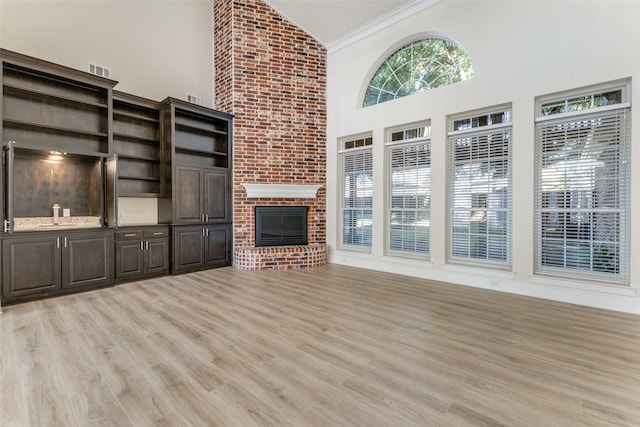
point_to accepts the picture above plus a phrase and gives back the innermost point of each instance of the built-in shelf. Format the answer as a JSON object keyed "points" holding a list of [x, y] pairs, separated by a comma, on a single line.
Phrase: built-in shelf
{"points": [[51, 128], [118, 135], [10, 89], [200, 129], [137, 177], [136, 157], [134, 116], [200, 152]]}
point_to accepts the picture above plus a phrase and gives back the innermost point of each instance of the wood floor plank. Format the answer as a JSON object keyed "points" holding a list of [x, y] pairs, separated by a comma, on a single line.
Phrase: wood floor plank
{"points": [[329, 346]]}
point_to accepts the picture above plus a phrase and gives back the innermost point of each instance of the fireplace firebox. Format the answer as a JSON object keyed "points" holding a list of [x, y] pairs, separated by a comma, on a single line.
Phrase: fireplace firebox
{"points": [[281, 225]]}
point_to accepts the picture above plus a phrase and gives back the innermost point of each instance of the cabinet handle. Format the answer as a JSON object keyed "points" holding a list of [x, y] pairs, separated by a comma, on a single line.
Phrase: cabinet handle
{"points": [[130, 235], [58, 242], [141, 243], [203, 232], [65, 241], [207, 231], [157, 233], [146, 245], [206, 217]]}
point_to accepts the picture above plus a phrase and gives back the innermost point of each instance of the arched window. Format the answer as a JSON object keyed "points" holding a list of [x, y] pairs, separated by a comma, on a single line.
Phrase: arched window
{"points": [[423, 64]]}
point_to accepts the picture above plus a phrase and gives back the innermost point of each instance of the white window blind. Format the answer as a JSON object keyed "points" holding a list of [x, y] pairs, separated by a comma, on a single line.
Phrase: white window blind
{"points": [[480, 189], [408, 222], [357, 191], [582, 193]]}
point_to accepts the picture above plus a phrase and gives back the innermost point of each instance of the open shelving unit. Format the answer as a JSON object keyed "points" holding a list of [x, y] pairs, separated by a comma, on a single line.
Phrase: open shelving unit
{"points": [[54, 107], [136, 140], [201, 137]]}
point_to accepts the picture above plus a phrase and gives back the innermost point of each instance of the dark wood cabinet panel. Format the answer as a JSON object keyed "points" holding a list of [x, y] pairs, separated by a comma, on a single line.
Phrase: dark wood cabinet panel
{"points": [[217, 186], [157, 256], [129, 259], [218, 241], [87, 260], [189, 190], [31, 265], [188, 249]]}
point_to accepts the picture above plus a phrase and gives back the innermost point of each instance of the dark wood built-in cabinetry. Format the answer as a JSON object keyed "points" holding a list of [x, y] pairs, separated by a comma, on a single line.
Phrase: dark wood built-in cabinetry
{"points": [[37, 265], [201, 195], [197, 155], [142, 252], [73, 145], [204, 246]]}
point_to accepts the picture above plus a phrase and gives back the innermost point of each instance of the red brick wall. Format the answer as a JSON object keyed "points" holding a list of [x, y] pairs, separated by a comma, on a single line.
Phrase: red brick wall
{"points": [[272, 76], [223, 39]]}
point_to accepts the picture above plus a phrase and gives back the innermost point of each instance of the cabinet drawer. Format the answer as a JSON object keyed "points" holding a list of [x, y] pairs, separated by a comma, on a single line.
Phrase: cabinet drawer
{"points": [[129, 235], [156, 232]]}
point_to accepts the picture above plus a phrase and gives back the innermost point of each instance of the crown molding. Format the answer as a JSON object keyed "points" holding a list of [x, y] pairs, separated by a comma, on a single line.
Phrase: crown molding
{"points": [[379, 24]]}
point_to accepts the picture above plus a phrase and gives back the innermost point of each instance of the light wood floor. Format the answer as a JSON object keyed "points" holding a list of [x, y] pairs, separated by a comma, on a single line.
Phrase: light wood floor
{"points": [[332, 346]]}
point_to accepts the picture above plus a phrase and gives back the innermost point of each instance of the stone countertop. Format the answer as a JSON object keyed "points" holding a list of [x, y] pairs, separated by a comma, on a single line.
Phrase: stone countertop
{"points": [[64, 223]]}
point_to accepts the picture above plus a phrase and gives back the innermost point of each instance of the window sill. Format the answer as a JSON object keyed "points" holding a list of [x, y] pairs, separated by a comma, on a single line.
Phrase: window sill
{"points": [[480, 271], [615, 289]]}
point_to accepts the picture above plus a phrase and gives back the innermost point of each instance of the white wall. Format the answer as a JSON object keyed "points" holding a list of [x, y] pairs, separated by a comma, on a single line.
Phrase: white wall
{"points": [[154, 48], [520, 50]]}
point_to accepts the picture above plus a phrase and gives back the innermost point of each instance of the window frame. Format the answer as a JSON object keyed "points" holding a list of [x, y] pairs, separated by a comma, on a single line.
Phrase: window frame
{"points": [[398, 47], [348, 147], [407, 141], [481, 125], [579, 242]]}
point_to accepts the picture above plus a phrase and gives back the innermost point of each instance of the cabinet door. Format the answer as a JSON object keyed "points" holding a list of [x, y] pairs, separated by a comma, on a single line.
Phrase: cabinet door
{"points": [[217, 202], [157, 256], [129, 259], [87, 259], [189, 195], [31, 265], [218, 242], [188, 250]]}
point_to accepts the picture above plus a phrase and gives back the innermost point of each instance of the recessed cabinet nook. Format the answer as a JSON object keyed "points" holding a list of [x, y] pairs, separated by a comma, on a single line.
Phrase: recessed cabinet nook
{"points": [[72, 147]]}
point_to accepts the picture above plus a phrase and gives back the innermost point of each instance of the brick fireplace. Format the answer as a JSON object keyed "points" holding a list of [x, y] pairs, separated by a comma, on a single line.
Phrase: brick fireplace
{"points": [[272, 77]]}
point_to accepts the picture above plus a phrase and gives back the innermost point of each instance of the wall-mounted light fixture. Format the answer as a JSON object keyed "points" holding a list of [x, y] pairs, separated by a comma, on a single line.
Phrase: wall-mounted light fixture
{"points": [[55, 156]]}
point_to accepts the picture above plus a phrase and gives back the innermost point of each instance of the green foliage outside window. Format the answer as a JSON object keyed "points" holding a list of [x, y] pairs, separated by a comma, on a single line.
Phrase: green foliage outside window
{"points": [[418, 66]]}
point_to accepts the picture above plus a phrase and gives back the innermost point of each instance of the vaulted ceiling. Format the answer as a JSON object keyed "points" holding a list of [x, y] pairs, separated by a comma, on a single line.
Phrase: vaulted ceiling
{"points": [[330, 21]]}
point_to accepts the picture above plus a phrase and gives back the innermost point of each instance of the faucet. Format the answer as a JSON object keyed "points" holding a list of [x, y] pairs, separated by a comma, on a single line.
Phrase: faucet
{"points": [[56, 212]]}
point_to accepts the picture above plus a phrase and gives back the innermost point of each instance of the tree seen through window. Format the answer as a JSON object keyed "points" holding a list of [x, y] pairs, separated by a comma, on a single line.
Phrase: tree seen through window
{"points": [[418, 66]]}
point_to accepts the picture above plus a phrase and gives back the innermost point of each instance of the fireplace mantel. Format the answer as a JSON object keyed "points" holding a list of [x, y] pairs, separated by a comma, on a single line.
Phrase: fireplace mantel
{"points": [[285, 191]]}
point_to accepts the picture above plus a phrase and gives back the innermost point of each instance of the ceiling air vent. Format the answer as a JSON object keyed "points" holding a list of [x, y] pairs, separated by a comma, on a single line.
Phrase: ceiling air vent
{"points": [[99, 70], [194, 99]]}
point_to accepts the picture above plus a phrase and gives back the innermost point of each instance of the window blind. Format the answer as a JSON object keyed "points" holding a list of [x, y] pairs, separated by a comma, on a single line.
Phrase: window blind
{"points": [[409, 199], [357, 190], [480, 195], [582, 194]]}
